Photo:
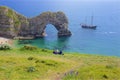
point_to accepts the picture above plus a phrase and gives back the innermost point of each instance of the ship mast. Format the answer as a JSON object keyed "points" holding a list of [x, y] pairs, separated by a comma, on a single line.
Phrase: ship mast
{"points": [[86, 20], [91, 20]]}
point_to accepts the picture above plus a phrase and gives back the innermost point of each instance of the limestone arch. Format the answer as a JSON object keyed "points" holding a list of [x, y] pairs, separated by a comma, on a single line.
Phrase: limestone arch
{"points": [[57, 19]]}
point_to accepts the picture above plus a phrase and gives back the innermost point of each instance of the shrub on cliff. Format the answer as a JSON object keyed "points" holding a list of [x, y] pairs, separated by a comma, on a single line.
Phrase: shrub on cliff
{"points": [[4, 47], [29, 47]]}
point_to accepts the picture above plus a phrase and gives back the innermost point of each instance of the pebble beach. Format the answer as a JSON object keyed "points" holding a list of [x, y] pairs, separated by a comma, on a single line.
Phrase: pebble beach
{"points": [[6, 41]]}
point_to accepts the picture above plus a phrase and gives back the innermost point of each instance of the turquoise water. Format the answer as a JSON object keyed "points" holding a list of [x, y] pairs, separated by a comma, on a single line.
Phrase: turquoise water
{"points": [[105, 40]]}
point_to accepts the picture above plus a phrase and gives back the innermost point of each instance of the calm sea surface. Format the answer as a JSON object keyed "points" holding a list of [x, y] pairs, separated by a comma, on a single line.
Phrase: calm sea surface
{"points": [[105, 40]]}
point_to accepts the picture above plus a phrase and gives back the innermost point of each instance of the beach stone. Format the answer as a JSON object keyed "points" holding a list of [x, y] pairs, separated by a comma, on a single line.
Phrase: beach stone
{"points": [[13, 24]]}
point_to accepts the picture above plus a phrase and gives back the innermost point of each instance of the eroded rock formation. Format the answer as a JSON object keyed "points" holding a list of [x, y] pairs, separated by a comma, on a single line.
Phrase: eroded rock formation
{"points": [[13, 24], [58, 19]]}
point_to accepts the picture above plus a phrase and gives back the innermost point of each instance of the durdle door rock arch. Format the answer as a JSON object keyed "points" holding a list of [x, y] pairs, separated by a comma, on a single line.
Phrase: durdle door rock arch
{"points": [[57, 19], [13, 24]]}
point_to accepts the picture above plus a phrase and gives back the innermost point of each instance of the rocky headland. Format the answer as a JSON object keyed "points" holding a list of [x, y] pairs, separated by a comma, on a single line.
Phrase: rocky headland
{"points": [[13, 24]]}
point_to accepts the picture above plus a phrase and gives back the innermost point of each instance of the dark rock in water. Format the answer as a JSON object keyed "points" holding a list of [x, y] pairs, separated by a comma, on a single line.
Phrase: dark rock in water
{"points": [[13, 24]]}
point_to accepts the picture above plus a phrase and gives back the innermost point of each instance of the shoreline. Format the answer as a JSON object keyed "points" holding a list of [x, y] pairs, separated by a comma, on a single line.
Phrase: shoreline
{"points": [[6, 41], [13, 43]]}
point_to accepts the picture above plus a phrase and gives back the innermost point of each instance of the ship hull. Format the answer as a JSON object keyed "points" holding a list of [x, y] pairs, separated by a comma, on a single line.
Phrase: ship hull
{"points": [[88, 26]]}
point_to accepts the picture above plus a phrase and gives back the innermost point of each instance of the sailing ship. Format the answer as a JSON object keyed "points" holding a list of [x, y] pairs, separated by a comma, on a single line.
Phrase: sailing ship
{"points": [[89, 26]]}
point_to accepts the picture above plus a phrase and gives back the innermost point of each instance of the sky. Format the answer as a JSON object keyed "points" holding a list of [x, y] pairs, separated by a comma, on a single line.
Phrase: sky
{"points": [[32, 8], [75, 10]]}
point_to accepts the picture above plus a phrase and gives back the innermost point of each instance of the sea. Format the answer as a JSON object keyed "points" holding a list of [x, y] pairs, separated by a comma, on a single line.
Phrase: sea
{"points": [[105, 40]]}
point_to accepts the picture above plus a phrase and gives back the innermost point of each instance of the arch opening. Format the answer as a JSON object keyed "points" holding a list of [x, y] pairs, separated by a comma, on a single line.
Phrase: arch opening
{"points": [[50, 31]]}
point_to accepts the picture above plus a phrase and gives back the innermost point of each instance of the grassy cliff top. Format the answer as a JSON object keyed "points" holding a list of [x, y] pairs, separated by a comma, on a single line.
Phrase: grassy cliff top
{"points": [[41, 64]]}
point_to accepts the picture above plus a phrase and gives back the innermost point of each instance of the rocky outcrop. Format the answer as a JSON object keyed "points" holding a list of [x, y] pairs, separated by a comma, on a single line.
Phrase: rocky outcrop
{"points": [[58, 19], [13, 24]]}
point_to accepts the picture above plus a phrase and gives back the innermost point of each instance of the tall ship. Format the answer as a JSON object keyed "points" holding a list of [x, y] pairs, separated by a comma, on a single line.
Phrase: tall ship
{"points": [[91, 26]]}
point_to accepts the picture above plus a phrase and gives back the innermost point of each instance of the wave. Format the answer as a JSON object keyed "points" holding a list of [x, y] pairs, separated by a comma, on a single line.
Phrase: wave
{"points": [[107, 32]]}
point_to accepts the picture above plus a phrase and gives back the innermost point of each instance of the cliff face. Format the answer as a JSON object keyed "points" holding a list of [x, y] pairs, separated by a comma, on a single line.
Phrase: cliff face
{"points": [[13, 24], [10, 22], [6, 23]]}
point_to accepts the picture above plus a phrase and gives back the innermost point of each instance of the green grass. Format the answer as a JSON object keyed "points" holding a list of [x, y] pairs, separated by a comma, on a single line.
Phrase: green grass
{"points": [[39, 64]]}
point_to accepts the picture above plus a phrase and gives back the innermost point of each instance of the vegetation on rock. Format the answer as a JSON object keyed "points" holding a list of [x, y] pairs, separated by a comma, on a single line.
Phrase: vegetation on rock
{"points": [[11, 21]]}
